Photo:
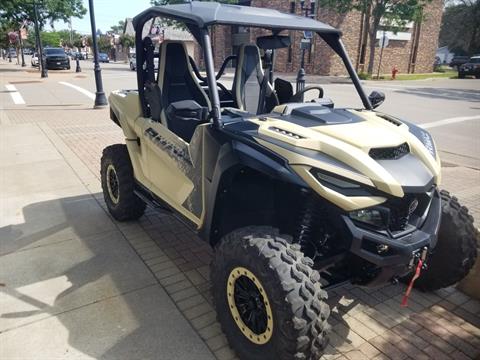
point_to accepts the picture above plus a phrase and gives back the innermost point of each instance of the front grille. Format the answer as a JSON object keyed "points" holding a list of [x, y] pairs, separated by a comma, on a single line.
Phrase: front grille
{"points": [[407, 210], [389, 153]]}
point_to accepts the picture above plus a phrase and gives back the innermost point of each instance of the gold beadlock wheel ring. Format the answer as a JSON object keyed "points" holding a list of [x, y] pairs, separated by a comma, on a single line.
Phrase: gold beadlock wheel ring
{"points": [[112, 184], [236, 274]]}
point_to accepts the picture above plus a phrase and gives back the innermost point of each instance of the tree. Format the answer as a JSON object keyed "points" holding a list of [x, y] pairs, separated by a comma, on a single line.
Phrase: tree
{"points": [[118, 29], [388, 14], [127, 41], [104, 44], [49, 11], [50, 38], [460, 29]]}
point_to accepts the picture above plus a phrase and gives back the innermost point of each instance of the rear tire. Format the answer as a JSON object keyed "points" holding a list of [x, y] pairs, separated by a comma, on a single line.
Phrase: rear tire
{"points": [[294, 309], [456, 249], [118, 184]]}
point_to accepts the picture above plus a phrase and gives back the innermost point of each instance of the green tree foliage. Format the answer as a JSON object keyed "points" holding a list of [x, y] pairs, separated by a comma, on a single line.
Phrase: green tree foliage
{"points": [[104, 44], [118, 29], [48, 12], [127, 41], [391, 14], [460, 29], [50, 38]]}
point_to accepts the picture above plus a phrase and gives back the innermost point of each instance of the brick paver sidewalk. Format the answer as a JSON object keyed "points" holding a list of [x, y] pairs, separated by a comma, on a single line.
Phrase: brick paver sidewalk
{"points": [[367, 323]]}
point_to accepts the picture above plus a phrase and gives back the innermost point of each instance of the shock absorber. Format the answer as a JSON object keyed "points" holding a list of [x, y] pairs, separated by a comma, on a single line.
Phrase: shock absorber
{"points": [[308, 217]]}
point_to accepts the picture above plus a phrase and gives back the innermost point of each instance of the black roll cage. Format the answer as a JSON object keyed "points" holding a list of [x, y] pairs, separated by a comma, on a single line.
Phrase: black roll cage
{"points": [[201, 34]]}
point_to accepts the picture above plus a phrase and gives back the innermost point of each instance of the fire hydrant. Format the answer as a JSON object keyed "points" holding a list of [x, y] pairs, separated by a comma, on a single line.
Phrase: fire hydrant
{"points": [[394, 72]]}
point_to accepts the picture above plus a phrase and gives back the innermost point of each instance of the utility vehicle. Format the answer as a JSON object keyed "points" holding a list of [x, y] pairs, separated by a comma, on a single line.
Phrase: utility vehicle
{"points": [[294, 197]]}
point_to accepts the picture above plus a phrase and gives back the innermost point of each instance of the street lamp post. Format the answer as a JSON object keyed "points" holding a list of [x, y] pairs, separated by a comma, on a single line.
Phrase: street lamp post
{"points": [[100, 98], [41, 61], [307, 11]]}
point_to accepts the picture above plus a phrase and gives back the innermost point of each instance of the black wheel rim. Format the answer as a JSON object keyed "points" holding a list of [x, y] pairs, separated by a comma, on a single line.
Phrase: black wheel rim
{"points": [[250, 305]]}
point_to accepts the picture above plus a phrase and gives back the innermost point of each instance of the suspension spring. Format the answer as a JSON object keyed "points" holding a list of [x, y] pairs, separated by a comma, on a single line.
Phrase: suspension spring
{"points": [[308, 218]]}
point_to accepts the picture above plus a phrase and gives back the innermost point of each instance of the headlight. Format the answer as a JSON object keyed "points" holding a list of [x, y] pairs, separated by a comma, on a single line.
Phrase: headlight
{"points": [[372, 217], [341, 185]]}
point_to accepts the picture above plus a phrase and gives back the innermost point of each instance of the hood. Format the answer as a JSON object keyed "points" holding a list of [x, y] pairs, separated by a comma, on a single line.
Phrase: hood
{"points": [[364, 146]]}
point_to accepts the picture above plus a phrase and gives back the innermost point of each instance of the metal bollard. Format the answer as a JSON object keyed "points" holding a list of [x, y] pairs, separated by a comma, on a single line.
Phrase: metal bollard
{"points": [[78, 69]]}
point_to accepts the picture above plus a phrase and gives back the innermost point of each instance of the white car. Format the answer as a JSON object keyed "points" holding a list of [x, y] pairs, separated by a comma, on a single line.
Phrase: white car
{"points": [[133, 62], [34, 60]]}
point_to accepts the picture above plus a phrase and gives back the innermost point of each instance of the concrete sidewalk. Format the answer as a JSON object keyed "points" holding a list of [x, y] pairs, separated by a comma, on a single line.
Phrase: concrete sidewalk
{"points": [[72, 285]]}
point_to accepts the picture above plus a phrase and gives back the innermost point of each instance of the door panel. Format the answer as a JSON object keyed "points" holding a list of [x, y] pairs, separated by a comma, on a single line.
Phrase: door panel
{"points": [[171, 171]]}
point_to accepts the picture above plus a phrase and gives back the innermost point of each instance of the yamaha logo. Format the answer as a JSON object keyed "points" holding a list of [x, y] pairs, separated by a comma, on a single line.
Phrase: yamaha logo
{"points": [[412, 207]]}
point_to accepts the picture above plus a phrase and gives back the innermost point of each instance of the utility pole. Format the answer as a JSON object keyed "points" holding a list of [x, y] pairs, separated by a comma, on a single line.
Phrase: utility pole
{"points": [[100, 98], [41, 60]]}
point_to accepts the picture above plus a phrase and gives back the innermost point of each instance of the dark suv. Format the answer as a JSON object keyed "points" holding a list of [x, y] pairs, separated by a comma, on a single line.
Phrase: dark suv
{"points": [[457, 61], [472, 67], [56, 58]]}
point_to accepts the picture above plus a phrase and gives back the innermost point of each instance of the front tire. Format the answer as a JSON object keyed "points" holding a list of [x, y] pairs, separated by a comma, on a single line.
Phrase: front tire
{"points": [[456, 249], [118, 184], [268, 299]]}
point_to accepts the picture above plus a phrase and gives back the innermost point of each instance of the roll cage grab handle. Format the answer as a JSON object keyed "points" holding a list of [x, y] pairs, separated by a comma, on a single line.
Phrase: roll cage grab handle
{"points": [[332, 40]]}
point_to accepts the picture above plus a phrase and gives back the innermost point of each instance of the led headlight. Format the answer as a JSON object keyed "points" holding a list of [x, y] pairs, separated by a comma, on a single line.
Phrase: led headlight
{"points": [[372, 217], [341, 184]]}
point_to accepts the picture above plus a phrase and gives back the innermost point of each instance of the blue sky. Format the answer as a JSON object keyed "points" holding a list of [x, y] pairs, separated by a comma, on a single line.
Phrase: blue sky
{"points": [[107, 13]]}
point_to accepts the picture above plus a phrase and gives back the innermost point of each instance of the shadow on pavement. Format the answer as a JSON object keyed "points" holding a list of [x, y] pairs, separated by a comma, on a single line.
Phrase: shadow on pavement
{"points": [[68, 272]]}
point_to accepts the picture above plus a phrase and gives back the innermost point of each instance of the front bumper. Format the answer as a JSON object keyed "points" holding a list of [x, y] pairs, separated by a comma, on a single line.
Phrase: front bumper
{"points": [[402, 247], [469, 71], [57, 64]]}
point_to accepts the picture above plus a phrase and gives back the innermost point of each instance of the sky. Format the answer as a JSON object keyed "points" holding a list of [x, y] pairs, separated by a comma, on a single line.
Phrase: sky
{"points": [[107, 13]]}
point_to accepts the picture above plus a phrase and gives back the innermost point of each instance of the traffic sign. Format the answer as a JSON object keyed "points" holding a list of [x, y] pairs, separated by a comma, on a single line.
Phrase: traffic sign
{"points": [[383, 42]]}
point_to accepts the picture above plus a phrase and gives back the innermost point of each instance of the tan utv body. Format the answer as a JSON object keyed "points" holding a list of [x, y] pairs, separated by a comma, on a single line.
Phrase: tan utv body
{"points": [[295, 197]]}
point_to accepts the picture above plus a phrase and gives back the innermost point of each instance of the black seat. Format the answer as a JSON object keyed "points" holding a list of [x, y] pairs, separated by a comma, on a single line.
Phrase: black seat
{"points": [[251, 89], [177, 82]]}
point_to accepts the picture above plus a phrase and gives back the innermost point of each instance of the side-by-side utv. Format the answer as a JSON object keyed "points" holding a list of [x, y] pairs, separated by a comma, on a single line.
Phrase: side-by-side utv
{"points": [[294, 197]]}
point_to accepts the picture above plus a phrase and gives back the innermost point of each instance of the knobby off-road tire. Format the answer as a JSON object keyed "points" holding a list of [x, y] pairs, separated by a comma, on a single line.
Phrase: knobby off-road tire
{"points": [[121, 201], [456, 249], [289, 287]]}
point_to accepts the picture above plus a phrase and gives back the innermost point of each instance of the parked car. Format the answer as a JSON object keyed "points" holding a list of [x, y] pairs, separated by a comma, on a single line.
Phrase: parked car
{"points": [[133, 62], [457, 61], [56, 59], [34, 59], [12, 53], [27, 51], [74, 56], [103, 58], [472, 67]]}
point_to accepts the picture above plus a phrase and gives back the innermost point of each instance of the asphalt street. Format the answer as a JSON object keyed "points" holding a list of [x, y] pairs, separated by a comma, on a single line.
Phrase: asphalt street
{"points": [[449, 108]]}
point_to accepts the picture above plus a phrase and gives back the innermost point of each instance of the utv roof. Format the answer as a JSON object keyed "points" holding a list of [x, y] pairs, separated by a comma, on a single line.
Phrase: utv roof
{"points": [[205, 13]]}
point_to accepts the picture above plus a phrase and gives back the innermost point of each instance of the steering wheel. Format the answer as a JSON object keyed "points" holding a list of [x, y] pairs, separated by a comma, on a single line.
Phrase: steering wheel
{"points": [[298, 97]]}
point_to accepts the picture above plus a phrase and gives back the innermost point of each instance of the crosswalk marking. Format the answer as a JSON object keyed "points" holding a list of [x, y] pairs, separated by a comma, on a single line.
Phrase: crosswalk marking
{"points": [[16, 96]]}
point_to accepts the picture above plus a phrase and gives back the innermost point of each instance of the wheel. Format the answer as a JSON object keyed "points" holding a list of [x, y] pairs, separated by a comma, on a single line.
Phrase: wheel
{"points": [[118, 184], [477, 76], [267, 297], [456, 249], [132, 67]]}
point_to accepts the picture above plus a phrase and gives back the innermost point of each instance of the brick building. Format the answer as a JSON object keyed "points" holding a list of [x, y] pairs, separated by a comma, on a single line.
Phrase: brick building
{"points": [[412, 49]]}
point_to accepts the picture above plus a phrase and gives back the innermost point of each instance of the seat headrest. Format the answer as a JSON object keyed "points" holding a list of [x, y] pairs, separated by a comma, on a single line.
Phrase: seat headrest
{"points": [[176, 57]]}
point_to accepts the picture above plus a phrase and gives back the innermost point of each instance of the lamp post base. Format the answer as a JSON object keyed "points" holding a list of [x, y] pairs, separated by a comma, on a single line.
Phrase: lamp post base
{"points": [[100, 100]]}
